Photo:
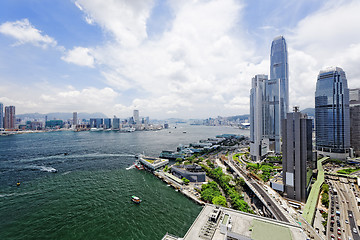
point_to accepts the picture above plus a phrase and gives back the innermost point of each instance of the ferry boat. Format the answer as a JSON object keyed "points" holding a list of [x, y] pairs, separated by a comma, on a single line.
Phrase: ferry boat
{"points": [[135, 199]]}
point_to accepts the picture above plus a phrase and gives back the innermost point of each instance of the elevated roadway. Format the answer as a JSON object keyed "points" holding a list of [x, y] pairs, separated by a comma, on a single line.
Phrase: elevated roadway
{"points": [[270, 204]]}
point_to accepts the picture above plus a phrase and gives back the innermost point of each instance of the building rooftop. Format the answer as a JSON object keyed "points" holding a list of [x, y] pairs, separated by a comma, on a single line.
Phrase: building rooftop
{"points": [[331, 69], [216, 222]]}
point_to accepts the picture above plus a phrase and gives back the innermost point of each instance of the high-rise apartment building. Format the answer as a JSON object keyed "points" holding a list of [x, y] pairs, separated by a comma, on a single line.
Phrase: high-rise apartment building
{"points": [[332, 115], [1, 115], [354, 105], [276, 93], [257, 94], [297, 155], [9, 119]]}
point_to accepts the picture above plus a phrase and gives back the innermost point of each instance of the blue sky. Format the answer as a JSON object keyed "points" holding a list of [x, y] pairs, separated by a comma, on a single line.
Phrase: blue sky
{"points": [[189, 59]]}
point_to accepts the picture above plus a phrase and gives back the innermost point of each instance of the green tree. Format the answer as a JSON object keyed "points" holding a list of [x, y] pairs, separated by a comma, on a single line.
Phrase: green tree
{"points": [[325, 199], [325, 188], [179, 160], [186, 181], [219, 200]]}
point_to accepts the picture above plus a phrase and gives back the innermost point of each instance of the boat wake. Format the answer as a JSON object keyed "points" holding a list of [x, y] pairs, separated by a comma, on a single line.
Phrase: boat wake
{"points": [[45, 169], [131, 167]]}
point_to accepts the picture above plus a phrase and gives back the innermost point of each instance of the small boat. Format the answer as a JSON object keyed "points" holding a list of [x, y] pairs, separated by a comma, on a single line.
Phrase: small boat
{"points": [[135, 199], [18, 184], [138, 165]]}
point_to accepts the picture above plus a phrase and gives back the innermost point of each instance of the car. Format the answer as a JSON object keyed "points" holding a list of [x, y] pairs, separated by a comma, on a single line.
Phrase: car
{"points": [[346, 221], [331, 229], [350, 215], [354, 230], [339, 238], [339, 232]]}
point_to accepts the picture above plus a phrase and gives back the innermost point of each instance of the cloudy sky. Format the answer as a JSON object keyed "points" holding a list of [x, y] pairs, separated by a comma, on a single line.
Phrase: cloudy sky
{"points": [[167, 58]]}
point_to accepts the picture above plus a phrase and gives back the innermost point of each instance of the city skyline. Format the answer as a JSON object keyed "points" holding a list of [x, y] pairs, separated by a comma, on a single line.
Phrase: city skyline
{"points": [[190, 59]]}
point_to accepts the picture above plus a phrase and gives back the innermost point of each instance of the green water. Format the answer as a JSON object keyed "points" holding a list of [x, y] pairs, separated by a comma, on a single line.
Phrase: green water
{"points": [[96, 205], [90, 195]]}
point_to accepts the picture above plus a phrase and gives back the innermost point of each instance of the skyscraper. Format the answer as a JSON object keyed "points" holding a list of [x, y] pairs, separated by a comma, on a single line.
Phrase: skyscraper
{"points": [[136, 117], [332, 115], [75, 119], [355, 120], [257, 93], [277, 93], [9, 119], [107, 123], [1, 115], [297, 155], [116, 123]]}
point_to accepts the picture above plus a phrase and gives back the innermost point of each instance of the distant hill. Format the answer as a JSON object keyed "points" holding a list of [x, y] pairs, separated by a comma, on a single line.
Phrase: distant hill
{"points": [[309, 111], [240, 117], [60, 115]]}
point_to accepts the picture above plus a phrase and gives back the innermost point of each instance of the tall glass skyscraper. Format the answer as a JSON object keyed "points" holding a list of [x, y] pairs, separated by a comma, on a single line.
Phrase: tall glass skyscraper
{"points": [[257, 94], [277, 93], [1, 115], [332, 115]]}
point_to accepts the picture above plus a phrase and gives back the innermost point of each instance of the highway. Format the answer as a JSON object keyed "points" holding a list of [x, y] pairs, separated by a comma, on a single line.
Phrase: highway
{"points": [[270, 204], [343, 211]]}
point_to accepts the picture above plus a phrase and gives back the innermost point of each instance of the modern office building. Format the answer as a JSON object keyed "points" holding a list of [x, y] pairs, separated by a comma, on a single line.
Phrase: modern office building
{"points": [[276, 93], [136, 117], [332, 115], [269, 102], [107, 123], [1, 115], [54, 124], [116, 123], [354, 105], [96, 122], [258, 147], [9, 118], [297, 155], [75, 119]]}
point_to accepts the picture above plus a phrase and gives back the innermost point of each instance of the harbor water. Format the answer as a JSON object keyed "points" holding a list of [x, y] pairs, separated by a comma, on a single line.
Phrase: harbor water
{"points": [[75, 185]]}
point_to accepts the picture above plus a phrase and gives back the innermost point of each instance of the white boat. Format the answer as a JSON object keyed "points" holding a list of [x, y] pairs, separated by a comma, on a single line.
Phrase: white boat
{"points": [[135, 199], [96, 129]]}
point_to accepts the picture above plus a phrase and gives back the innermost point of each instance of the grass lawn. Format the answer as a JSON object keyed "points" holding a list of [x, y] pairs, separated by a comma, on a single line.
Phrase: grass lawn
{"points": [[348, 170]]}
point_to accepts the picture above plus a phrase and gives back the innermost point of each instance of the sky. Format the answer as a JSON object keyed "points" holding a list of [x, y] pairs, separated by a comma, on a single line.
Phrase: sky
{"points": [[167, 58]]}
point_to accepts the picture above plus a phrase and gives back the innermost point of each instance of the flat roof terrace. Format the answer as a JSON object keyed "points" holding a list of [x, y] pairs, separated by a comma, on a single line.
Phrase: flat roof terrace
{"points": [[153, 163], [240, 225]]}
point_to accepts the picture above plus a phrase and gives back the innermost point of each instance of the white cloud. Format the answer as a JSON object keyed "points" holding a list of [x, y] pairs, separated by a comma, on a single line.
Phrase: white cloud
{"points": [[79, 56], [24, 32], [126, 20], [200, 62], [325, 38]]}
